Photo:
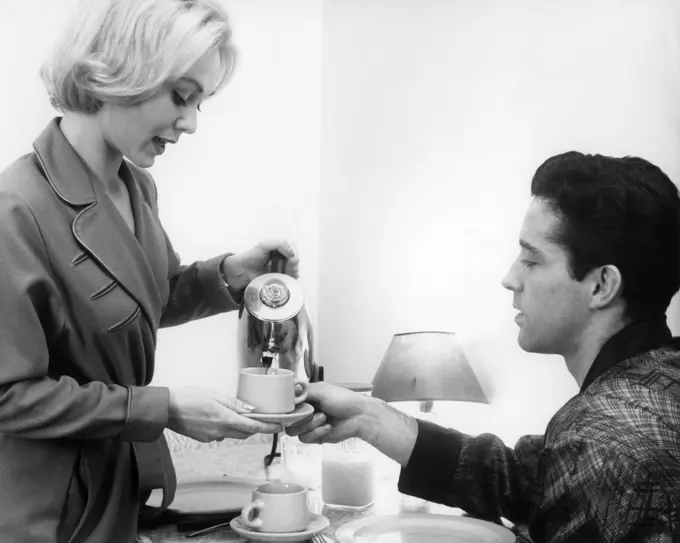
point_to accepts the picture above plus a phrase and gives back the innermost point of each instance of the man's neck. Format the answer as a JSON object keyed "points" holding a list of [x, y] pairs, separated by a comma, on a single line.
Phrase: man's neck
{"points": [[579, 363], [581, 359]]}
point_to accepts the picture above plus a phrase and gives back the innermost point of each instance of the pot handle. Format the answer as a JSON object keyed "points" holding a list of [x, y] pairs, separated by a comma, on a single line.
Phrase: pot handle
{"points": [[278, 262]]}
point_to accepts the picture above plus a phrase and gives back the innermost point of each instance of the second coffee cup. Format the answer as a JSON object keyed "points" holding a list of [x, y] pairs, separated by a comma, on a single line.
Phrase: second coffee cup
{"points": [[277, 507], [272, 391]]}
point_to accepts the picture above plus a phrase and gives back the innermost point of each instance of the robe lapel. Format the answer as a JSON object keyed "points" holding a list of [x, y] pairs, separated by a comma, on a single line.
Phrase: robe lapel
{"points": [[98, 227], [102, 232], [148, 231]]}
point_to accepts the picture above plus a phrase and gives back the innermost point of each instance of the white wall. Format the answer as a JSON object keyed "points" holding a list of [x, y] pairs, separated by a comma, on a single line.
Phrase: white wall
{"points": [[257, 154], [406, 208], [436, 115], [250, 172]]}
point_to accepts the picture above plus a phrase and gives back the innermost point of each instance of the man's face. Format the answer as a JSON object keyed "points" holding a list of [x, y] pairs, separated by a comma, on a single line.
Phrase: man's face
{"points": [[554, 307]]}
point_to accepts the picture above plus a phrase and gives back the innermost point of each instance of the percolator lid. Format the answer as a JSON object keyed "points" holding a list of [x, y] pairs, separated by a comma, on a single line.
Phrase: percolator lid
{"points": [[274, 297]]}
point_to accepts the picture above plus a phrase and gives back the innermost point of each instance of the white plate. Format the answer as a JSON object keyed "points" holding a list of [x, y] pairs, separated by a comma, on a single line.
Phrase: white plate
{"points": [[318, 524], [413, 528], [302, 411], [207, 496]]}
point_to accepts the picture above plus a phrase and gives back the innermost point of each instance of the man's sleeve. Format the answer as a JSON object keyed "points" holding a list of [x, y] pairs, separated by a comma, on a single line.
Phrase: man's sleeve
{"points": [[477, 474]]}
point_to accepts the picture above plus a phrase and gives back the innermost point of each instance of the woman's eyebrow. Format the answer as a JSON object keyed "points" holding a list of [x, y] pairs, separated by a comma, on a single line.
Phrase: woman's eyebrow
{"points": [[192, 80]]}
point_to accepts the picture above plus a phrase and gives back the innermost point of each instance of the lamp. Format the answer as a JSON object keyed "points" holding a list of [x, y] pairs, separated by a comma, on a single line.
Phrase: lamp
{"points": [[426, 367]]}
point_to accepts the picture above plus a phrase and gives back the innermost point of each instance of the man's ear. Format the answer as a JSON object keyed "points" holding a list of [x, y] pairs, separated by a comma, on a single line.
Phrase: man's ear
{"points": [[607, 284]]}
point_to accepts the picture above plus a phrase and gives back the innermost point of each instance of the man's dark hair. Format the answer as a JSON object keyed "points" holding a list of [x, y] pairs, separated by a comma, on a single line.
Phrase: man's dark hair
{"points": [[618, 211]]}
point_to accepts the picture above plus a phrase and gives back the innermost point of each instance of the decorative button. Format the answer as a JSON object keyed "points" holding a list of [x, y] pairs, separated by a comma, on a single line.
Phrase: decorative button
{"points": [[274, 294]]}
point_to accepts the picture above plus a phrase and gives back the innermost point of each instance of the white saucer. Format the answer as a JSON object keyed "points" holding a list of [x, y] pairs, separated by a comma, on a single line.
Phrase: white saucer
{"points": [[302, 411], [423, 529], [318, 524]]}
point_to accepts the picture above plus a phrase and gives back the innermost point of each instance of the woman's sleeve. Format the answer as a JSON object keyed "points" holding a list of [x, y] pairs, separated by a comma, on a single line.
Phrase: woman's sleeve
{"points": [[34, 403]]}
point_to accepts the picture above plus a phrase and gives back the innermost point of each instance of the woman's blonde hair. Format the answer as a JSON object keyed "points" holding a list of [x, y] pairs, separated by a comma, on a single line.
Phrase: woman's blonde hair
{"points": [[124, 51]]}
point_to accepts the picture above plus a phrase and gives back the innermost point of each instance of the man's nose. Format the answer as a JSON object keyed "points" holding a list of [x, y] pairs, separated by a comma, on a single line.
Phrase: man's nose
{"points": [[510, 280]]}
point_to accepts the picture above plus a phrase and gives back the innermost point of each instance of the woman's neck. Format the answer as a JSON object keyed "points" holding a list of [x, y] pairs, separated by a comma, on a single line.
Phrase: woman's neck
{"points": [[84, 134]]}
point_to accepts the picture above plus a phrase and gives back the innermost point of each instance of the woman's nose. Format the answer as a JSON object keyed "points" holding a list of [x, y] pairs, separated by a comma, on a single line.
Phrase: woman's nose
{"points": [[188, 121]]}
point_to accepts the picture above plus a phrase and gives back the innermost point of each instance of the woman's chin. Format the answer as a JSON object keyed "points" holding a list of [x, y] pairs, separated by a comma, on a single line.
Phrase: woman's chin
{"points": [[142, 160]]}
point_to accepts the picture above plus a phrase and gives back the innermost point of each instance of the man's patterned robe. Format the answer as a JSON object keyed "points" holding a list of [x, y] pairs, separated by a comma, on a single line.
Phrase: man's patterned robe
{"points": [[606, 470]]}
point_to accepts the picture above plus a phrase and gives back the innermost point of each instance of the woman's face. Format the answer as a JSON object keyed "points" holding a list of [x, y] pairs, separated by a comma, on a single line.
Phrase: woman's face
{"points": [[141, 132]]}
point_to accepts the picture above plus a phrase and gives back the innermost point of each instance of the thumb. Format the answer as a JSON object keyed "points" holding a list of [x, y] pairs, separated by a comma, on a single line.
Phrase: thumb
{"points": [[236, 405]]}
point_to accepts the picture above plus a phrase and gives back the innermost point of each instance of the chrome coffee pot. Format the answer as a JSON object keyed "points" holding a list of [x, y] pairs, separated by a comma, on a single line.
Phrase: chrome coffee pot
{"points": [[274, 328]]}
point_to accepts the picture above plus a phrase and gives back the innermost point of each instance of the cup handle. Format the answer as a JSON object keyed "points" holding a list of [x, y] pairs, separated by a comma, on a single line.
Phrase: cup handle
{"points": [[254, 523], [302, 396]]}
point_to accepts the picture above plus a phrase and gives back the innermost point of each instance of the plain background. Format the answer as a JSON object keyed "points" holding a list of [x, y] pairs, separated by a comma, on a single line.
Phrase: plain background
{"points": [[393, 141]]}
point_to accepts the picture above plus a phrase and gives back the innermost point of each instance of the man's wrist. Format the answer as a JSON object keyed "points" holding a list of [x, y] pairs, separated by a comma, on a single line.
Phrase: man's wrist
{"points": [[389, 430], [369, 426]]}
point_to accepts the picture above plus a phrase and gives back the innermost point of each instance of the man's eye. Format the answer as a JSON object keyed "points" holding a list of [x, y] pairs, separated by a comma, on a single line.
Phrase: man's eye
{"points": [[528, 263]]}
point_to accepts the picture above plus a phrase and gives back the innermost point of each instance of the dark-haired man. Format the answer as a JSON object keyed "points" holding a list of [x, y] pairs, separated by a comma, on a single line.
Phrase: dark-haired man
{"points": [[597, 268]]}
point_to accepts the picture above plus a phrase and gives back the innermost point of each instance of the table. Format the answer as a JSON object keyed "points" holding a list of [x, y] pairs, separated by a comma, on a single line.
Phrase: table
{"points": [[245, 460]]}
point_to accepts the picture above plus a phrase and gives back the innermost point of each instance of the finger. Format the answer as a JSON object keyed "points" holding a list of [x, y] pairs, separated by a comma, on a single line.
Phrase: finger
{"points": [[318, 435], [253, 426], [293, 263], [281, 245], [316, 393], [306, 425], [286, 249], [235, 405], [237, 434], [269, 428], [309, 418], [293, 269]]}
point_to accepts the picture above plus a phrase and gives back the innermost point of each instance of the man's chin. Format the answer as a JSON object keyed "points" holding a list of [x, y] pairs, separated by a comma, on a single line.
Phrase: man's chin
{"points": [[526, 343], [530, 345]]}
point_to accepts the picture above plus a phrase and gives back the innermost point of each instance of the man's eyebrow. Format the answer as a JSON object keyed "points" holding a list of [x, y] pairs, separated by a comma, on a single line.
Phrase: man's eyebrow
{"points": [[529, 247]]}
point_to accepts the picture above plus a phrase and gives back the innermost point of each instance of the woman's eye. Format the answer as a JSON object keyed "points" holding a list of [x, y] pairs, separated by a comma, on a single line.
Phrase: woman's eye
{"points": [[179, 101]]}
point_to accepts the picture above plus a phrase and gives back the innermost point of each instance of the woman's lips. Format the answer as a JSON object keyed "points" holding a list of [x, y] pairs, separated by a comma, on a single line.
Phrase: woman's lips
{"points": [[159, 145]]}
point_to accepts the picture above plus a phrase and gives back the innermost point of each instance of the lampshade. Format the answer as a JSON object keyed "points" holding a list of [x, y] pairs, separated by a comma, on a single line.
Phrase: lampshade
{"points": [[424, 366]]}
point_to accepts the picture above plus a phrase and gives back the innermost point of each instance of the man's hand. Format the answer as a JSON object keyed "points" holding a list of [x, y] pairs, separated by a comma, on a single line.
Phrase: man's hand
{"points": [[342, 414]]}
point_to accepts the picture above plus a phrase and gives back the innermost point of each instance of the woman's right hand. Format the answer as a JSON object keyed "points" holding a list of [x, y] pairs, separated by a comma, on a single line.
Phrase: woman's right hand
{"points": [[208, 415]]}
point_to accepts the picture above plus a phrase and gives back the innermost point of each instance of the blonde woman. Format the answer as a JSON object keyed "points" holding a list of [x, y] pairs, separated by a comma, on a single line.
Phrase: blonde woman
{"points": [[89, 275]]}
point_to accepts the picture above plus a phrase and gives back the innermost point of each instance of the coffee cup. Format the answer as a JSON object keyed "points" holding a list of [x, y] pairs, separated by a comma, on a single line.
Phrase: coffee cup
{"points": [[272, 391], [277, 507]]}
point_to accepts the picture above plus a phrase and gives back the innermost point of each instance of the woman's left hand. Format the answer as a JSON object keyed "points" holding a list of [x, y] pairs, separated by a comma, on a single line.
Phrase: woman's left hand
{"points": [[241, 268]]}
